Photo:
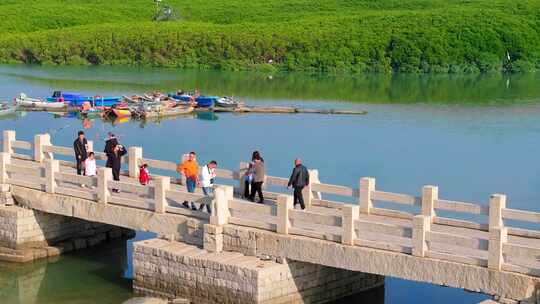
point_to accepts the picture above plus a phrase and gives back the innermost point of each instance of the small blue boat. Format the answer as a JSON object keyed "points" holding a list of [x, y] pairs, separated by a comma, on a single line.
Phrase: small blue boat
{"points": [[206, 101], [202, 101], [77, 100]]}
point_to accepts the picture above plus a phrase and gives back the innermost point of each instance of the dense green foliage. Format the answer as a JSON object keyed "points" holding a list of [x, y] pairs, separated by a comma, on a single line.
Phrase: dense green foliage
{"points": [[310, 35]]}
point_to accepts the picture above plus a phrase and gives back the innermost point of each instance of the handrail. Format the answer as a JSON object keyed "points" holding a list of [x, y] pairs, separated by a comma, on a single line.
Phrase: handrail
{"points": [[420, 232]]}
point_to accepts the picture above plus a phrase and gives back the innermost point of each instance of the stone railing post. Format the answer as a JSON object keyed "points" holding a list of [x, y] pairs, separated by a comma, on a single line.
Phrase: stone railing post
{"points": [[314, 178], [220, 206], [213, 232], [51, 168], [496, 204], [162, 185], [429, 195], [8, 139], [284, 204], [104, 175], [307, 192], [367, 185], [90, 146], [5, 160], [350, 214], [242, 178], [497, 237], [498, 234], [135, 155], [421, 226], [40, 141]]}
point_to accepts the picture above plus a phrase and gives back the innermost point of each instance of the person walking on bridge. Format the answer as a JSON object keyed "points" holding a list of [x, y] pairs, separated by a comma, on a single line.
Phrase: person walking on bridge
{"points": [[259, 175], [208, 175], [248, 178], [80, 145], [190, 169], [298, 180]]}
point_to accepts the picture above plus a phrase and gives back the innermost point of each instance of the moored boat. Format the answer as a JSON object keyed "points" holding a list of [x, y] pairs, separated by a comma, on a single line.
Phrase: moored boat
{"points": [[228, 102], [77, 100], [118, 111], [27, 102], [164, 112], [201, 101], [6, 109], [206, 101]]}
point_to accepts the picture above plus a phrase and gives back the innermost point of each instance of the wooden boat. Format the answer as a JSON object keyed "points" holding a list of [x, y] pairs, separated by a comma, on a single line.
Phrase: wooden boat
{"points": [[136, 99], [27, 102], [164, 112], [86, 110], [228, 102]]}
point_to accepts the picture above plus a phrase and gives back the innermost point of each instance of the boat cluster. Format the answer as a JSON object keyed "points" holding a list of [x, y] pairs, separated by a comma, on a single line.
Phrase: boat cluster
{"points": [[138, 106]]}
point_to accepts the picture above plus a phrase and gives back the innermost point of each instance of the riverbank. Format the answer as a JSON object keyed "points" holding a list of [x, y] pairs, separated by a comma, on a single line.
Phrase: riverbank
{"points": [[323, 36]]}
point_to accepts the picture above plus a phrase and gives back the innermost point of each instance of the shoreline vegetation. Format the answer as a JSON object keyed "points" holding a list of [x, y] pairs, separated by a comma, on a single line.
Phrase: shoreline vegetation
{"points": [[315, 36]]}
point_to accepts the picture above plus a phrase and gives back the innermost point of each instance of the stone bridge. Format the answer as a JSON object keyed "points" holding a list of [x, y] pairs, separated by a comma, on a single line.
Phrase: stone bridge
{"points": [[283, 254]]}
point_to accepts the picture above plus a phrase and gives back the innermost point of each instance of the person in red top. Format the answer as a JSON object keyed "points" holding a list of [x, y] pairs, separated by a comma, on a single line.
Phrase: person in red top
{"points": [[144, 175]]}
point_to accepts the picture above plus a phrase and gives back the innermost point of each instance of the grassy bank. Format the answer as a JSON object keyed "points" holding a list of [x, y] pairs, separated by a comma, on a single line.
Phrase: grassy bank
{"points": [[295, 35]]}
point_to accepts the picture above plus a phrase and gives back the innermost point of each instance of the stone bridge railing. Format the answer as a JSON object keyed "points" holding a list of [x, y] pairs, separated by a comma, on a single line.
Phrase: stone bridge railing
{"points": [[480, 237]]}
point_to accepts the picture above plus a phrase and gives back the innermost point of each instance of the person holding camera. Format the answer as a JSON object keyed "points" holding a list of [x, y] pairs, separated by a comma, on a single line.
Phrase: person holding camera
{"points": [[114, 161], [208, 175]]}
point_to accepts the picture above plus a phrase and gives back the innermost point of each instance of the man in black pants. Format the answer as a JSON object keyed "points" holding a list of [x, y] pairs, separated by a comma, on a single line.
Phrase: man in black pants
{"points": [[115, 159], [299, 179], [109, 147], [80, 146], [259, 175]]}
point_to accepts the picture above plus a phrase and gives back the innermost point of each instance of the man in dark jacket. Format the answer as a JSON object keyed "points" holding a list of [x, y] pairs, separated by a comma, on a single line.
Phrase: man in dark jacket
{"points": [[299, 179], [80, 146], [109, 147], [115, 158]]}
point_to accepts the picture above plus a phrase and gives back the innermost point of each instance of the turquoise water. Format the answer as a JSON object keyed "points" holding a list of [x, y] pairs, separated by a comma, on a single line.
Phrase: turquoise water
{"points": [[472, 136]]}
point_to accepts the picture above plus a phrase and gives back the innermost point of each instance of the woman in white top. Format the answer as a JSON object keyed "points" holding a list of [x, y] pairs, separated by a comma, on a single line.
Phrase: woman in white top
{"points": [[208, 174], [90, 165]]}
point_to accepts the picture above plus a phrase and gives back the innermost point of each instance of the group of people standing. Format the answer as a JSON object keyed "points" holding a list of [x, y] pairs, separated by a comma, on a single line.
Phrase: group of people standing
{"points": [[190, 169], [255, 176], [86, 160], [204, 177]]}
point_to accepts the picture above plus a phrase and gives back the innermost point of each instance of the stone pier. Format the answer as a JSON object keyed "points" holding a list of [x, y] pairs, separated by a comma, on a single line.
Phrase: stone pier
{"points": [[176, 270], [27, 234]]}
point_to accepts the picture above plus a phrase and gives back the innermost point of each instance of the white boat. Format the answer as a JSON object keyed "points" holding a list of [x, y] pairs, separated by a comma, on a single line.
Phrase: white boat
{"points": [[6, 109], [27, 102], [228, 102]]}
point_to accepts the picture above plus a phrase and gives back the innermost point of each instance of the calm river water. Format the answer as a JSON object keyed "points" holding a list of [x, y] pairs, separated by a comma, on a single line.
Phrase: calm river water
{"points": [[471, 135]]}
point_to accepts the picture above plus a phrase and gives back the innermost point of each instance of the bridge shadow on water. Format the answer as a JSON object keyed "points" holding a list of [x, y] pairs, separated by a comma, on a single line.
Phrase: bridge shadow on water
{"points": [[372, 296], [89, 276]]}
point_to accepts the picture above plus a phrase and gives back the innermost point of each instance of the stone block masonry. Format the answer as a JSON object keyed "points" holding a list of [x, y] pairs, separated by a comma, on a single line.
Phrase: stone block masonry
{"points": [[27, 234], [171, 270]]}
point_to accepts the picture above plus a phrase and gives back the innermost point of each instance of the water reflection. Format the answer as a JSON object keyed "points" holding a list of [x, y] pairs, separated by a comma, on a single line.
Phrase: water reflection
{"points": [[89, 276], [257, 87]]}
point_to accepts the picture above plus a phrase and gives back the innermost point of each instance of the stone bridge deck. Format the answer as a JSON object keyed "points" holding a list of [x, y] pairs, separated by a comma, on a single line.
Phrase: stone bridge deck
{"points": [[491, 257]]}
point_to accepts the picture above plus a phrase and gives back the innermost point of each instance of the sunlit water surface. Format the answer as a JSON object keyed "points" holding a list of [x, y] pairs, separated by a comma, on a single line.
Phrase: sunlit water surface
{"points": [[471, 135]]}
